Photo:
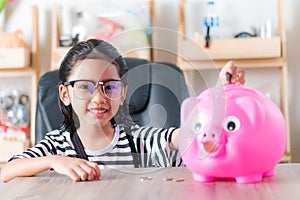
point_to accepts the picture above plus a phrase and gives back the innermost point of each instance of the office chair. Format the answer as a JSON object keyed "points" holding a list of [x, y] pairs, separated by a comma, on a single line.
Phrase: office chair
{"points": [[155, 93]]}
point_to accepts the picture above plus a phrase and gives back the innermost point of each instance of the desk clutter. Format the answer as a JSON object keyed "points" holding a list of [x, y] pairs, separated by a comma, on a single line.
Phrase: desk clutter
{"points": [[14, 122], [14, 113]]}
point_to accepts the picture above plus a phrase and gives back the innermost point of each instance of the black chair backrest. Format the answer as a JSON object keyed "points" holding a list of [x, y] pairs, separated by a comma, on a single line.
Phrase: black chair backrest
{"points": [[155, 93]]}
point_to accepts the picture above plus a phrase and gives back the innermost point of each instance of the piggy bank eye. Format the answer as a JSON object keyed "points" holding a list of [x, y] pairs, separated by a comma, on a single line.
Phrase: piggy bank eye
{"points": [[197, 127], [198, 124], [232, 124]]}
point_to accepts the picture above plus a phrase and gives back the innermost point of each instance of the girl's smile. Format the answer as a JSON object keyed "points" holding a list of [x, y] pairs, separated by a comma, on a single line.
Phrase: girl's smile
{"points": [[98, 112]]}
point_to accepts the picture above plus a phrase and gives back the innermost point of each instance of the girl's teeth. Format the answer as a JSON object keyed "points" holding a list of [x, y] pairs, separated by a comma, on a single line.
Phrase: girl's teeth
{"points": [[97, 111]]}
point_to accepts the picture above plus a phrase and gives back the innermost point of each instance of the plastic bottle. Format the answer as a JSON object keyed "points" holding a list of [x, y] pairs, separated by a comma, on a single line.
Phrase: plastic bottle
{"points": [[66, 38], [78, 30], [269, 29], [211, 22]]}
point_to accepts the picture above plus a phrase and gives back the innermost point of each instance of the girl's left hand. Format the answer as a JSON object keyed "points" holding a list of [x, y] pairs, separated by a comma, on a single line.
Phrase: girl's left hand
{"points": [[237, 76]]}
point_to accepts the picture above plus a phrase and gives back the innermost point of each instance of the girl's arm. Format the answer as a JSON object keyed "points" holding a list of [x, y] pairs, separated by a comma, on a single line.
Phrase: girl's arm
{"points": [[75, 168], [174, 139]]}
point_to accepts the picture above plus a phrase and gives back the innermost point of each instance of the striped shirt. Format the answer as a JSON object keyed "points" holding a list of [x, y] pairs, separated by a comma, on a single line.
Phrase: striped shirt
{"points": [[152, 145]]}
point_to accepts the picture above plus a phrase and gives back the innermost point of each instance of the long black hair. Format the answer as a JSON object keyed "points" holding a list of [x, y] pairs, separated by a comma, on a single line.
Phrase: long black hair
{"points": [[91, 49]]}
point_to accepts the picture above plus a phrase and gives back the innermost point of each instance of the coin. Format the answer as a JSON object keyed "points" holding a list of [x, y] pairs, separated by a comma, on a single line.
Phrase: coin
{"points": [[179, 180], [145, 178], [148, 178], [168, 179]]}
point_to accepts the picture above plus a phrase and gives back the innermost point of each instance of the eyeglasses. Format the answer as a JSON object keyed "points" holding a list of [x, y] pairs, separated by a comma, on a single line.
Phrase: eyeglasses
{"points": [[85, 89]]}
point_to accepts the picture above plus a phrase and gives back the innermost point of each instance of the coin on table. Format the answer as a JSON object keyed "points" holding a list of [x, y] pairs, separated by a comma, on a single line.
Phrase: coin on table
{"points": [[179, 180], [168, 179], [145, 178], [148, 178]]}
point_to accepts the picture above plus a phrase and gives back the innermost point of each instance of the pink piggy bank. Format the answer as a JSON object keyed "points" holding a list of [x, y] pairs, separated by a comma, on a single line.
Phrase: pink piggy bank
{"points": [[231, 132]]}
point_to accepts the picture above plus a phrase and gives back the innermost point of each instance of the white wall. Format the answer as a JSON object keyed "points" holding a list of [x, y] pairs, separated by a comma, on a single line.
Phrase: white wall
{"points": [[235, 15], [292, 24]]}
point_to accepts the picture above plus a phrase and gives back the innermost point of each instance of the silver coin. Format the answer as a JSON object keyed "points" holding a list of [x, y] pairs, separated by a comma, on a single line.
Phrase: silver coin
{"points": [[145, 178], [148, 178], [168, 179]]}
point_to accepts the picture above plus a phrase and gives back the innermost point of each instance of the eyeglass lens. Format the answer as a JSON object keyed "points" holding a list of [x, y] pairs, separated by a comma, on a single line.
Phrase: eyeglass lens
{"points": [[86, 89]]}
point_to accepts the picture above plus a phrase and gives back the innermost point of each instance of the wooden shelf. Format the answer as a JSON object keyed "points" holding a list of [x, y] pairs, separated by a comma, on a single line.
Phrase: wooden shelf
{"points": [[286, 158], [17, 72], [20, 67], [254, 53], [253, 48], [58, 52], [267, 50], [14, 57], [11, 147], [186, 64]]}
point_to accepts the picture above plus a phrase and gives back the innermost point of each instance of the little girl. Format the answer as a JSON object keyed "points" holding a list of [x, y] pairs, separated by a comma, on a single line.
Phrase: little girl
{"points": [[96, 132]]}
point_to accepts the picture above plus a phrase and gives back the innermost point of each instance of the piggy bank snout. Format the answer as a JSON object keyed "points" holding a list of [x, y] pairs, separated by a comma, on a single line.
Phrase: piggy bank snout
{"points": [[208, 141], [210, 136]]}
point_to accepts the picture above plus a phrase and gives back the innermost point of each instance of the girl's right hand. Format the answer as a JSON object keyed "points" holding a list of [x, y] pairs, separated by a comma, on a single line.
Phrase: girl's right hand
{"points": [[237, 76], [76, 168]]}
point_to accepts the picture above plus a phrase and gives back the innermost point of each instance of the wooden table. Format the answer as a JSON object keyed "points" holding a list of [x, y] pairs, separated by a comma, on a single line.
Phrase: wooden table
{"points": [[128, 184]]}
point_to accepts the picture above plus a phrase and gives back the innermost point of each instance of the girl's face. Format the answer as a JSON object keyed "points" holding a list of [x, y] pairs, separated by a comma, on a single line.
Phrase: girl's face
{"points": [[98, 109]]}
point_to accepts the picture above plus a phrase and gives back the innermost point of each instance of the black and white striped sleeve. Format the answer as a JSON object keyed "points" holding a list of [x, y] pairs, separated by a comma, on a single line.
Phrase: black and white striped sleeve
{"points": [[153, 145], [54, 143]]}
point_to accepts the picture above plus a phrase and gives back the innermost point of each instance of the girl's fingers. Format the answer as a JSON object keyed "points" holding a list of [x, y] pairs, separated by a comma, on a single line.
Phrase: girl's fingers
{"points": [[240, 80], [88, 171], [96, 169], [229, 68], [75, 168], [83, 175], [234, 74], [237, 76], [73, 175]]}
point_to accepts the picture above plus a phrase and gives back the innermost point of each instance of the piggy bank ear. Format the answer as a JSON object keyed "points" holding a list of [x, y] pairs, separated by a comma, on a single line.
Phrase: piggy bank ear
{"points": [[188, 110], [187, 107]]}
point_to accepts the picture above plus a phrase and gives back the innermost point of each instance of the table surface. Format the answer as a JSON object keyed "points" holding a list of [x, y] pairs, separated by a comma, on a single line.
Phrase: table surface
{"points": [[132, 184]]}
